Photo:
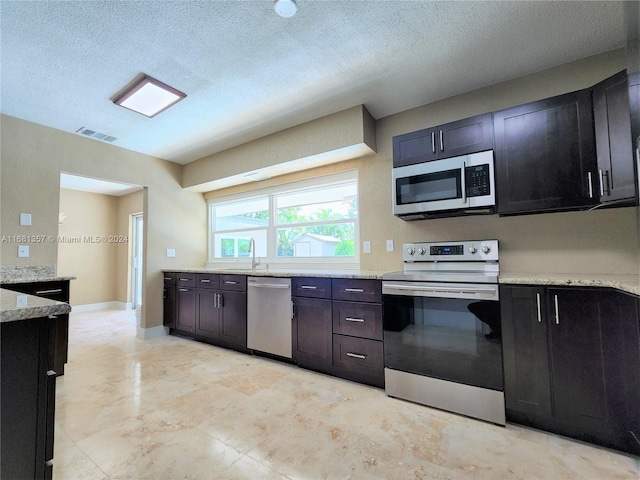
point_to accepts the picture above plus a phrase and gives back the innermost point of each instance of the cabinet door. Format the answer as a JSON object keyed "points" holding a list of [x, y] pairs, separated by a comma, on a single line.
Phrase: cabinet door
{"points": [[469, 135], [545, 155], [233, 318], [186, 309], [415, 147], [312, 333], [169, 307], [579, 362], [527, 385], [613, 139], [208, 314]]}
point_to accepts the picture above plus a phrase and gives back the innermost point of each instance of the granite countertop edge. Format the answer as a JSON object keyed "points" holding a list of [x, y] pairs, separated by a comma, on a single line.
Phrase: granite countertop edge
{"points": [[33, 307], [33, 279], [626, 283], [361, 274]]}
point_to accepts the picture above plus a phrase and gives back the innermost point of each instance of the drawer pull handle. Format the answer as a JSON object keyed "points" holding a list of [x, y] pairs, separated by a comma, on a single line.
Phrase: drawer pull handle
{"points": [[55, 290], [354, 290], [356, 355], [205, 280], [185, 279], [229, 282], [351, 319], [183, 289], [538, 304], [308, 287], [168, 278]]}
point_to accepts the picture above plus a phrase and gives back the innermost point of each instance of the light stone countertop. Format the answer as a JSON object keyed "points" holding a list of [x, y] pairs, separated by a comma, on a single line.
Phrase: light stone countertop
{"points": [[32, 279], [19, 306], [284, 272], [624, 283]]}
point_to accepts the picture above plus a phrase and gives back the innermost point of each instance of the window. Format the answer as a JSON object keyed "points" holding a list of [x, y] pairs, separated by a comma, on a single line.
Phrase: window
{"points": [[298, 223]]}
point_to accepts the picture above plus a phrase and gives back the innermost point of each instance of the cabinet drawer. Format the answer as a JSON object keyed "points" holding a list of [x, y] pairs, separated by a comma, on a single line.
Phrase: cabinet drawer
{"points": [[169, 278], [56, 290], [311, 287], [357, 290], [236, 283], [207, 280], [358, 319], [185, 279], [358, 355]]}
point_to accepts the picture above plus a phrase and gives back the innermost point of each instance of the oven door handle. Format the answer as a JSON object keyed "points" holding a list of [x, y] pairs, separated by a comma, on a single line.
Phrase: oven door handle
{"points": [[417, 288]]}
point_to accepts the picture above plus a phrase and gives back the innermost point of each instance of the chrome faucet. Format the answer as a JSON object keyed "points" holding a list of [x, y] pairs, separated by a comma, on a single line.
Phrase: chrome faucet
{"points": [[252, 249]]}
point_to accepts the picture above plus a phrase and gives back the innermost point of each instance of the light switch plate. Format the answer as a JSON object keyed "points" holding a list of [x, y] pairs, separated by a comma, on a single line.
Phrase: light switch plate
{"points": [[23, 251], [25, 219], [366, 246], [171, 252], [389, 245]]}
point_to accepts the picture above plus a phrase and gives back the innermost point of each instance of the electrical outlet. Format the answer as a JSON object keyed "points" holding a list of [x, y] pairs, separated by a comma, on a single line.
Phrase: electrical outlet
{"points": [[25, 219], [366, 246], [23, 251], [389, 245], [21, 301], [171, 252]]}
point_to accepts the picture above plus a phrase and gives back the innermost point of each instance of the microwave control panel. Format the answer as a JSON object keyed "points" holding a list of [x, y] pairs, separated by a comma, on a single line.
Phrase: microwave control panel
{"points": [[477, 180]]}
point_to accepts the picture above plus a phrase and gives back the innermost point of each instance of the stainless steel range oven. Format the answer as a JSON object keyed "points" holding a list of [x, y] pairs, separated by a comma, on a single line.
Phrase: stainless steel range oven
{"points": [[442, 335]]}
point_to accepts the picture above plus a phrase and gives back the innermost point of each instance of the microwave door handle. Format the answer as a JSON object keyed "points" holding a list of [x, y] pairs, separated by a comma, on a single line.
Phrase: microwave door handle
{"points": [[463, 182]]}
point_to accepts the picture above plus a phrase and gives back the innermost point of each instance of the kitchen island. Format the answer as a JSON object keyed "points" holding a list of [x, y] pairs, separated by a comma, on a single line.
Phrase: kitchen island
{"points": [[27, 334]]}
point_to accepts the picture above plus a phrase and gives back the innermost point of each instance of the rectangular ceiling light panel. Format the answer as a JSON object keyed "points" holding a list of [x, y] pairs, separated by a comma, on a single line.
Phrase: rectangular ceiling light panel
{"points": [[149, 97]]}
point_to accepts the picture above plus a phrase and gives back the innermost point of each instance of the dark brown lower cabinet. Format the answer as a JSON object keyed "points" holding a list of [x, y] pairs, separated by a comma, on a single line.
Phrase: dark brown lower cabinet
{"points": [[57, 290], [312, 332], [572, 362], [186, 309], [169, 306], [233, 318], [27, 398]]}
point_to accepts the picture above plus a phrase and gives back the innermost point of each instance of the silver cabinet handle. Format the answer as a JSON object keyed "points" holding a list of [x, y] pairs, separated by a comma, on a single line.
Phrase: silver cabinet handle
{"points": [[356, 355], [463, 182], [441, 141], [55, 290], [351, 319], [308, 287], [230, 282], [555, 301], [433, 142], [220, 300], [590, 184], [205, 280], [183, 289], [168, 278], [601, 174], [184, 279], [354, 290], [538, 302]]}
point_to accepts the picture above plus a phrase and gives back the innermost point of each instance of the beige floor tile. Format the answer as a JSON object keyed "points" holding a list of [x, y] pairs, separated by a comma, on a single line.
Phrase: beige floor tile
{"points": [[72, 463], [174, 408]]}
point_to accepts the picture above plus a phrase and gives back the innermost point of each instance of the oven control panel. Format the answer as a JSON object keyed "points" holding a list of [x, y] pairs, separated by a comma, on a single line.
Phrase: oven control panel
{"points": [[468, 250]]}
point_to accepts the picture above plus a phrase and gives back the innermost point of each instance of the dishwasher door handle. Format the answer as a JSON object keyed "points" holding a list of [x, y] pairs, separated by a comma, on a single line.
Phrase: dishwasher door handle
{"points": [[269, 285]]}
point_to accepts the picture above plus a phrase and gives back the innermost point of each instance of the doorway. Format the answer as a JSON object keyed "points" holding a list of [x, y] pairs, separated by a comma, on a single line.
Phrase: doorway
{"points": [[137, 242]]}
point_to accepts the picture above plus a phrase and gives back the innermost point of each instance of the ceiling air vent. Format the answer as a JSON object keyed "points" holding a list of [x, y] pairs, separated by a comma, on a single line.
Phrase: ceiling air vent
{"points": [[96, 135]]}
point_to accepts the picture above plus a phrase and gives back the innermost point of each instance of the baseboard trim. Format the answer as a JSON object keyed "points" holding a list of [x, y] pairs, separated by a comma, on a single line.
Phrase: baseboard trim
{"points": [[153, 332], [92, 307]]}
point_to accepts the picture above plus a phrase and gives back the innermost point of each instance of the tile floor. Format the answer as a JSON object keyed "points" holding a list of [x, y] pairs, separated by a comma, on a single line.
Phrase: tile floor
{"points": [[171, 408]]}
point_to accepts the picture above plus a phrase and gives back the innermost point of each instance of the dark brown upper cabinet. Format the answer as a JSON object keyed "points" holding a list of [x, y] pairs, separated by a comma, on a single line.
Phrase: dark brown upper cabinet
{"points": [[545, 155], [461, 137], [614, 145]]}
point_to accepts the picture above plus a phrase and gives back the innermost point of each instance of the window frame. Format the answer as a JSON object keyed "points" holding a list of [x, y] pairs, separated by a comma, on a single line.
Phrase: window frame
{"points": [[272, 261]]}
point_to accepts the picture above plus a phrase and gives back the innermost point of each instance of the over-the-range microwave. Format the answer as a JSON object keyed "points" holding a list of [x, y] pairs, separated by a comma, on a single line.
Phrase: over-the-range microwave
{"points": [[449, 187]]}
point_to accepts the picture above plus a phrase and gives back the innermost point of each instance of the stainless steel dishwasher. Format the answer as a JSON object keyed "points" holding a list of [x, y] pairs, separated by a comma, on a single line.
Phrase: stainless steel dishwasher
{"points": [[269, 312]]}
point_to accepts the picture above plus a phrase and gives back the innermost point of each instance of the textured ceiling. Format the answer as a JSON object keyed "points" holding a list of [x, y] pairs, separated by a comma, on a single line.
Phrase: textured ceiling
{"points": [[248, 72]]}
